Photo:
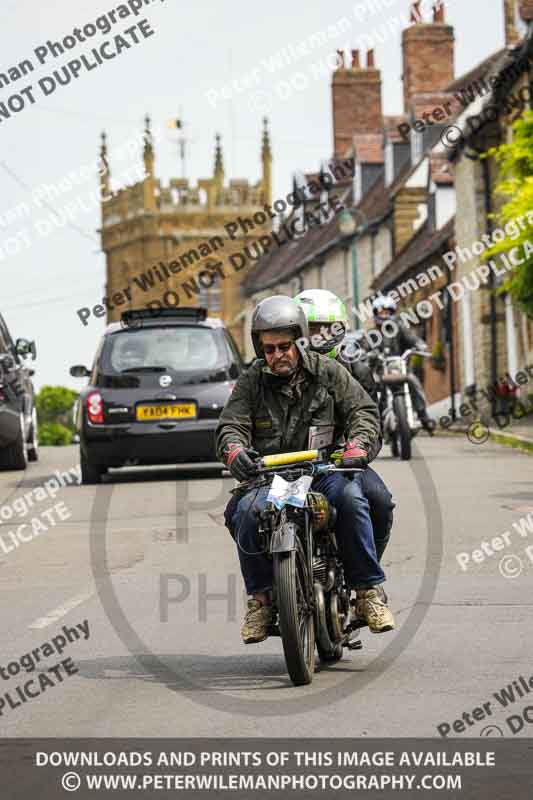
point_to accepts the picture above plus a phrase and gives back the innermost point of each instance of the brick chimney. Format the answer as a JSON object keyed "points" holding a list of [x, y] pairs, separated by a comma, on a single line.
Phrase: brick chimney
{"points": [[428, 53], [512, 37], [356, 95]]}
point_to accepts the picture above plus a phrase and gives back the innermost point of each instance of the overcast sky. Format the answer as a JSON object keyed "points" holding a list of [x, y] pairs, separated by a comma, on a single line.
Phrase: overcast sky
{"points": [[197, 50]]}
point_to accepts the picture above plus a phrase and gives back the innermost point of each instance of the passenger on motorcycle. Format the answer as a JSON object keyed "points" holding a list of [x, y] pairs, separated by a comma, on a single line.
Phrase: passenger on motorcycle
{"points": [[271, 408], [397, 340], [322, 309]]}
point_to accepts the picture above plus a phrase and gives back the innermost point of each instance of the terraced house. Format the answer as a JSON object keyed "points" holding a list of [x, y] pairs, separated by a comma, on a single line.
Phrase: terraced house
{"points": [[420, 202]]}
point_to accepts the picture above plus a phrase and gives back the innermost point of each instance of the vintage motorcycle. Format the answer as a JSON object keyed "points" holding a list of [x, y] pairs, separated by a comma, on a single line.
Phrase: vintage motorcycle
{"points": [[399, 422], [311, 602]]}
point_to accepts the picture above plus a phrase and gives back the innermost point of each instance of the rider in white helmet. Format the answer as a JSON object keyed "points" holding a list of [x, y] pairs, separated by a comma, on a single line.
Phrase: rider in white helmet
{"points": [[328, 324], [397, 338]]}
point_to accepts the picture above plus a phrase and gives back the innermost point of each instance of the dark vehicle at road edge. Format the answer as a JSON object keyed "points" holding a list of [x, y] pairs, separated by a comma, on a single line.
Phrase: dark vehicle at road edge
{"points": [[18, 417], [155, 392]]}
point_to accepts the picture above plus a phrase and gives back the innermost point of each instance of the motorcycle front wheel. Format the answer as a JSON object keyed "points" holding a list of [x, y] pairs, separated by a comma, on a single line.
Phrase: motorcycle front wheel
{"points": [[403, 432], [294, 592]]}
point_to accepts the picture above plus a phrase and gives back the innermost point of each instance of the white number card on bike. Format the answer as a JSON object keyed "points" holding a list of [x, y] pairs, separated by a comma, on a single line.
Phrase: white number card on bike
{"points": [[283, 493]]}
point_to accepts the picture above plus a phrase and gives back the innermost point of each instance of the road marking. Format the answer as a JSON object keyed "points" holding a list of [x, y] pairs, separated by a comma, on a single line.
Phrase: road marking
{"points": [[60, 611]]}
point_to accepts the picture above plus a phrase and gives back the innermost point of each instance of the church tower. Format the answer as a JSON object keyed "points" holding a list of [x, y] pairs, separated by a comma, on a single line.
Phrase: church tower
{"points": [[168, 243]]}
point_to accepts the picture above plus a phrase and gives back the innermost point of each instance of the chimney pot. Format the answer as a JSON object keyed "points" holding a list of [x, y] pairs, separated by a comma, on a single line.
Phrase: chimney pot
{"points": [[370, 59], [438, 11], [355, 60], [511, 22], [340, 59], [416, 12]]}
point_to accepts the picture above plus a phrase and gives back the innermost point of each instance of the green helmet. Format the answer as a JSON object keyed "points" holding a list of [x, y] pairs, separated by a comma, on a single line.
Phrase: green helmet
{"points": [[323, 307]]}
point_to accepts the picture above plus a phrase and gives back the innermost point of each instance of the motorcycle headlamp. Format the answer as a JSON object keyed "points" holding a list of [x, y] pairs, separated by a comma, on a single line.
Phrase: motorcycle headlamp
{"points": [[323, 514]]}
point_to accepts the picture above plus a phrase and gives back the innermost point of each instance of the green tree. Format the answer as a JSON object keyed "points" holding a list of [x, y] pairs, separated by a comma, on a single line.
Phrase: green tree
{"points": [[54, 414], [54, 434], [515, 161]]}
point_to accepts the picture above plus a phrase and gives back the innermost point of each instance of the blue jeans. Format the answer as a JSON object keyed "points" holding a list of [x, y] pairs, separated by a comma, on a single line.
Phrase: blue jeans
{"points": [[381, 507], [353, 529]]}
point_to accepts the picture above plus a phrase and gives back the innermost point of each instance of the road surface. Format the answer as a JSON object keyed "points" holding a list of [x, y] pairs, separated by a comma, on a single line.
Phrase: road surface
{"points": [[135, 558]]}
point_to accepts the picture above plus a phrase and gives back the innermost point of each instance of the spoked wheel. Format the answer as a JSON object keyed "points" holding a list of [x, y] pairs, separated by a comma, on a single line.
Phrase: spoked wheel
{"points": [[294, 592], [403, 432]]}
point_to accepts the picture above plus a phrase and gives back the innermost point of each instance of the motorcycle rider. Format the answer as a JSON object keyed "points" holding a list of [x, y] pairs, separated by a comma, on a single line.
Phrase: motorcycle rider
{"points": [[397, 338], [273, 405], [323, 309]]}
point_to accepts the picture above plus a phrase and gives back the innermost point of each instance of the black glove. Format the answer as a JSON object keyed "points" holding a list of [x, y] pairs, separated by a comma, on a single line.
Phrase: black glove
{"points": [[239, 461]]}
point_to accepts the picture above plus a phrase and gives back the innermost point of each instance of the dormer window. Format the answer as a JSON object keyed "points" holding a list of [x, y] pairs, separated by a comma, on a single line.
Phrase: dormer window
{"points": [[417, 146], [389, 163], [299, 226], [358, 183]]}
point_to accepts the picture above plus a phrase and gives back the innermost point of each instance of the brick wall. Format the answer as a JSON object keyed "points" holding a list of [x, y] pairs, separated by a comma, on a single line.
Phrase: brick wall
{"points": [[406, 212], [356, 96], [428, 59]]}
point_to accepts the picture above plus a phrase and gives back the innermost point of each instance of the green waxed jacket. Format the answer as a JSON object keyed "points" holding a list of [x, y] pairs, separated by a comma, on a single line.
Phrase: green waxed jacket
{"points": [[274, 416]]}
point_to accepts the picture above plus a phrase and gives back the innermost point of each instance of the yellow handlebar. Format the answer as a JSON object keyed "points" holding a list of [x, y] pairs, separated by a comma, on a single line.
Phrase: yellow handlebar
{"points": [[282, 459]]}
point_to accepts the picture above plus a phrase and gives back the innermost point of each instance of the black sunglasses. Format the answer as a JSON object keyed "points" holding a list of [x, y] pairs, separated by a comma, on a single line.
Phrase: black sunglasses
{"points": [[283, 347]]}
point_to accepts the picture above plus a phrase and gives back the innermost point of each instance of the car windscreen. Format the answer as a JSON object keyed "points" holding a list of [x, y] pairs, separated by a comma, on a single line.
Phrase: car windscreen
{"points": [[188, 352]]}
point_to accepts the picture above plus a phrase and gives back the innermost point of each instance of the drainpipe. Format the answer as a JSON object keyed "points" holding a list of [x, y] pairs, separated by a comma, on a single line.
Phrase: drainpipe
{"points": [[485, 172], [492, 283], [355, 285], [451, 340]]}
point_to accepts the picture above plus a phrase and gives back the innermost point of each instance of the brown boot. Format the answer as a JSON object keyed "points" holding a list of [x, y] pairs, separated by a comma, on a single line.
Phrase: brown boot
{"points": [[370, 606], [257, 622]]}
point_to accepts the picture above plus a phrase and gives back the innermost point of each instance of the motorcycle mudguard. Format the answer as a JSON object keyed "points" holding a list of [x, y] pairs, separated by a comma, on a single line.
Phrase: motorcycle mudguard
{"points": [[284, 539]]}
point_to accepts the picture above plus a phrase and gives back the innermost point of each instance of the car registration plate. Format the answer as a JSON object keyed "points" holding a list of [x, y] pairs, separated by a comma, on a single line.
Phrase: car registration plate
{"points": [[169, 411]]}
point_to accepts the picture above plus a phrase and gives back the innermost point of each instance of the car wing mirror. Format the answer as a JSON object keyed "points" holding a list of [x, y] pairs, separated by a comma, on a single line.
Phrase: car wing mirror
{"points": [[7, 363], [24, 348], [79, 371]]}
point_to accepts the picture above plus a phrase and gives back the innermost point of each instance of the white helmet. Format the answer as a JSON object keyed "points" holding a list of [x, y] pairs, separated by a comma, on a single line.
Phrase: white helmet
{"points": [[383, 303], [324, 307]]}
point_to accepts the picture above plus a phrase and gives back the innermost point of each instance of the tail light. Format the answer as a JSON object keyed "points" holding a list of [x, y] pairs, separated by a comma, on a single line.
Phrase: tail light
{"points": [[95, 408]]}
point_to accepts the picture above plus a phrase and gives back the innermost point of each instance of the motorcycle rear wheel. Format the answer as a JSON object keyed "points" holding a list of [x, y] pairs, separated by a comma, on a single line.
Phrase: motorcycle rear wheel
{"points": [[294, 592]]}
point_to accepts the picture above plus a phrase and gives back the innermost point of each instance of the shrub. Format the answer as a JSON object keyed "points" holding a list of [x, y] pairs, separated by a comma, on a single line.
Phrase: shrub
{"points": [[54, 434]]}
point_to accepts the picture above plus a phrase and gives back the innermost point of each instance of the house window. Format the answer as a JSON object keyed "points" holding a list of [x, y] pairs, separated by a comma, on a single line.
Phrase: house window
{"points": [[358, 184], [373, 252], [417, 146], [214, 294], [299, 227], [203, 297], [389, 163]]}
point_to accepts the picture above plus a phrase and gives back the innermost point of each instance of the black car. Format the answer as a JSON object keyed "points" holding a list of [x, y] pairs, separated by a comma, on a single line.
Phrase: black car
{"points": [[18, 418], [157, 387]]}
